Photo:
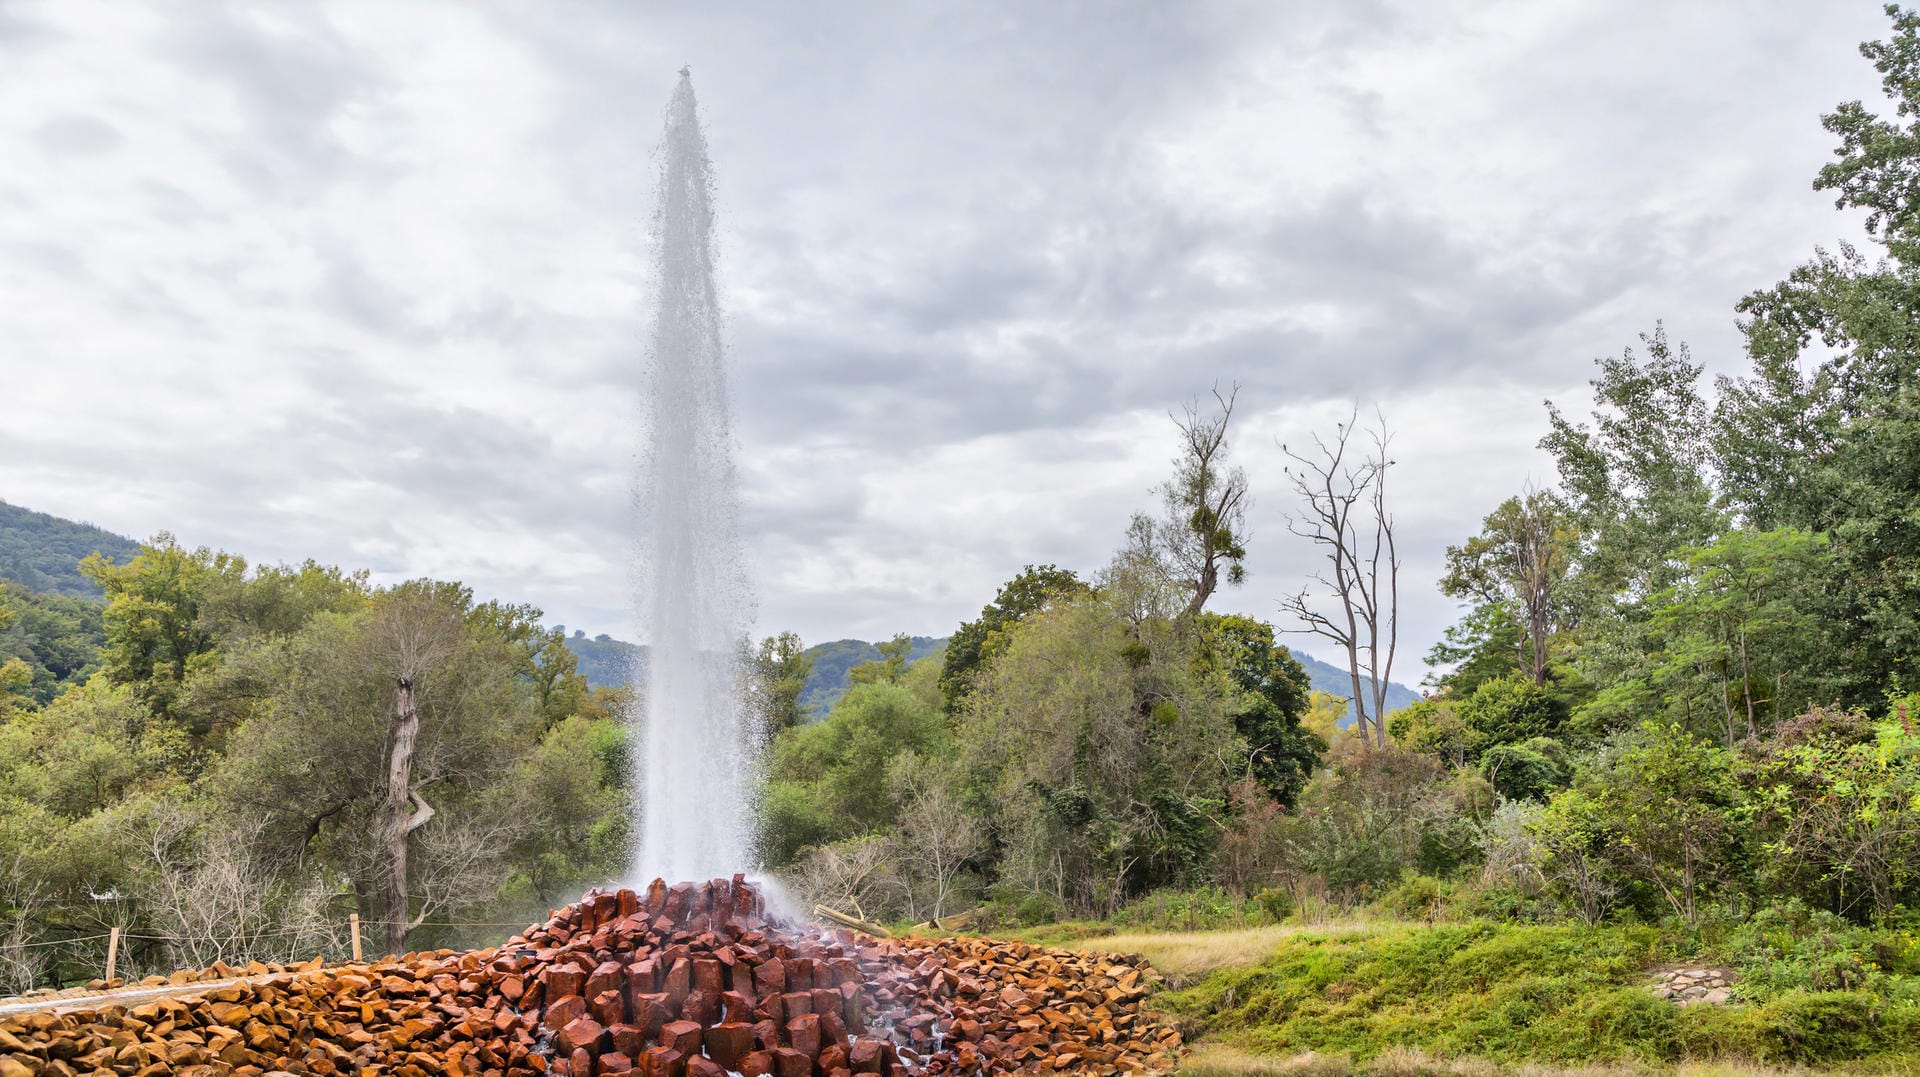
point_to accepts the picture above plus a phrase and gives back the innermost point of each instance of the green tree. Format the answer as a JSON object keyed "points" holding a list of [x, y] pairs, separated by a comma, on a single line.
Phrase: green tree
{"points": [[889, 668], [1822, 434], [1743, 636], [388, 727], [1637, 489], [827, 780], [780, 671], [1518, 565], [976, 642], [1510, 710], [1671, 815], [153, 625], [1281, 754], [1101, 756]]}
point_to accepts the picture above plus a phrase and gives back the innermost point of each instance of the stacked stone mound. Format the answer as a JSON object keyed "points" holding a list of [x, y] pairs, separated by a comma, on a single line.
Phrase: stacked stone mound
{"points": [[969, 1005], [682, 981], [1690, 985]]}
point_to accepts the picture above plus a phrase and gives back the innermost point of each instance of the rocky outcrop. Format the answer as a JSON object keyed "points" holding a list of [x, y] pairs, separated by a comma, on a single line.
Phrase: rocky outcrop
{"points": [[684, 981]]}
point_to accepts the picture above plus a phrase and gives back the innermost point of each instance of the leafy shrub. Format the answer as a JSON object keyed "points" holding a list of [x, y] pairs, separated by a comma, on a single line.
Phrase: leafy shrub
{"points": [[1511, 710], [1830, 1026], [1204, 909], [1415, 897], [1527, 771], [1277, 903], [1789, 948]]}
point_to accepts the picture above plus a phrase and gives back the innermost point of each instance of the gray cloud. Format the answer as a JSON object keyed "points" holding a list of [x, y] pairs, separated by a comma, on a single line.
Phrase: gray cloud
{"points": [[82, 135], [368, 283]]}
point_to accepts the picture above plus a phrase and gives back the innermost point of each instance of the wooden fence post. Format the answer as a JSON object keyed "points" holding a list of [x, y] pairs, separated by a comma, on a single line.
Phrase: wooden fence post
{"points": [[354, 920], [113, 953]]}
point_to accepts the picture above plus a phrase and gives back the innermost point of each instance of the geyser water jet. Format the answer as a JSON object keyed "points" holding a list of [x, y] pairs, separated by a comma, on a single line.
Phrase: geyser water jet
{"points": [[697, 752]]}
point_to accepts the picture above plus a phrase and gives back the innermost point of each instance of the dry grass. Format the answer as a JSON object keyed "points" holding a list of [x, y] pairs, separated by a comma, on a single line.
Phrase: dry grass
{"points": [[1185, 955], [1222, 1060]]}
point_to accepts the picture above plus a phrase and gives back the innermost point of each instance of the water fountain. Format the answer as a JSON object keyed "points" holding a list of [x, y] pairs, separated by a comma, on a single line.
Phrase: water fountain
{"points": [[693, 979], [697, 750]]}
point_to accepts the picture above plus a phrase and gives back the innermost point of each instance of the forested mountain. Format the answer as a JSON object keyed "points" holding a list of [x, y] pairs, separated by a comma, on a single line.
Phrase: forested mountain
{"points": [[607, 663], [604, 661], [44, 552], [834, 660], [1329, 678]]}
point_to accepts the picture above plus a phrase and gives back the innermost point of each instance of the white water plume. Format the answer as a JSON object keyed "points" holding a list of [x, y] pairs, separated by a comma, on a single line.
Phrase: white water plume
{"points": [[697, 748]]}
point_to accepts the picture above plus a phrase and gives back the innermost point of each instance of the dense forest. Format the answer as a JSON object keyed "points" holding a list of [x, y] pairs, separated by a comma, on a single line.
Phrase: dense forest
{"points": [[1683, 685], [1683, 689]]}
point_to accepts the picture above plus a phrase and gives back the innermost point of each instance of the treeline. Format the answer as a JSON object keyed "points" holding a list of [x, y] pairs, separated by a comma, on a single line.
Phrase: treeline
{"points": [[247, 755], [1684, 684]]}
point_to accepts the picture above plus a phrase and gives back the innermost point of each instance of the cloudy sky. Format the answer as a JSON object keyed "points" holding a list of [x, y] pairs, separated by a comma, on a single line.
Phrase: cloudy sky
{"points": [[368, 282]]}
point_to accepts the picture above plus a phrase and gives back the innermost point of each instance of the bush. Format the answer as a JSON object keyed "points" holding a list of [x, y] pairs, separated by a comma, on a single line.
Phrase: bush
{"points": [[1528, 771], [1208, 908], [1789, 948], [1830, 1026], [1277, 903], [1416, 897]]}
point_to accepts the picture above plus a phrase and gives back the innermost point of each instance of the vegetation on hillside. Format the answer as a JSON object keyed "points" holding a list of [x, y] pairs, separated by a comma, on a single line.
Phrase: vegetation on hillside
{"points": [[227, 780], [42, 553]]}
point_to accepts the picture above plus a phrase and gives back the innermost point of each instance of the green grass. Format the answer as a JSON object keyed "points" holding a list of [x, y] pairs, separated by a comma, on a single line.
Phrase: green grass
{"points": [[1517, 994]]}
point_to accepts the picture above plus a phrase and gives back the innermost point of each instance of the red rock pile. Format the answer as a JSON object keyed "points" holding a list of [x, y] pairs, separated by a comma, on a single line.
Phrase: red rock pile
{"points": [[682, 981]]}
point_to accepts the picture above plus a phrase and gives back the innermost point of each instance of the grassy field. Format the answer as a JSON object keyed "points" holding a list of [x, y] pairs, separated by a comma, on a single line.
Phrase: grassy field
{"points": [[1480, 1000]]}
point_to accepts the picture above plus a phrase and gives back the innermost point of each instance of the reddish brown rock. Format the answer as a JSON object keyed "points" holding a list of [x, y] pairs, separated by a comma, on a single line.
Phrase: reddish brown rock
{"points": [[701, 1007], [866, 1057], [561, 980], [788, 1062], [682, 1036], [662, 1062], [769, 978], [678, 981], [729, 1043], [609, 1007], [652, 1011], [563, 1010], [736, 1006], [803, 1034], [581, 1033]]}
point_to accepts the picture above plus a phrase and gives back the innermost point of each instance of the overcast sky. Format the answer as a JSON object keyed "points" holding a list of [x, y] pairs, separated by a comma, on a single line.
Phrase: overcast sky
{"points": [[367, 282]]}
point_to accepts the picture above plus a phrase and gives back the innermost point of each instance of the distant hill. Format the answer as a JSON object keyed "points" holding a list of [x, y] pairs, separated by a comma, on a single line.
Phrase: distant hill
{"points": [[833, 661], [603, 660], [607, 661], [610, 662], [1327, 677], [43, 553]]}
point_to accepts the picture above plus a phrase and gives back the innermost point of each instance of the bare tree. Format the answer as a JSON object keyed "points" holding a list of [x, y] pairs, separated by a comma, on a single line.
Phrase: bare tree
{"points": [[411, 635], [1202, 532], [937, 838], [855, 874], [212, 895], [1344, 492], [23, 900]]}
